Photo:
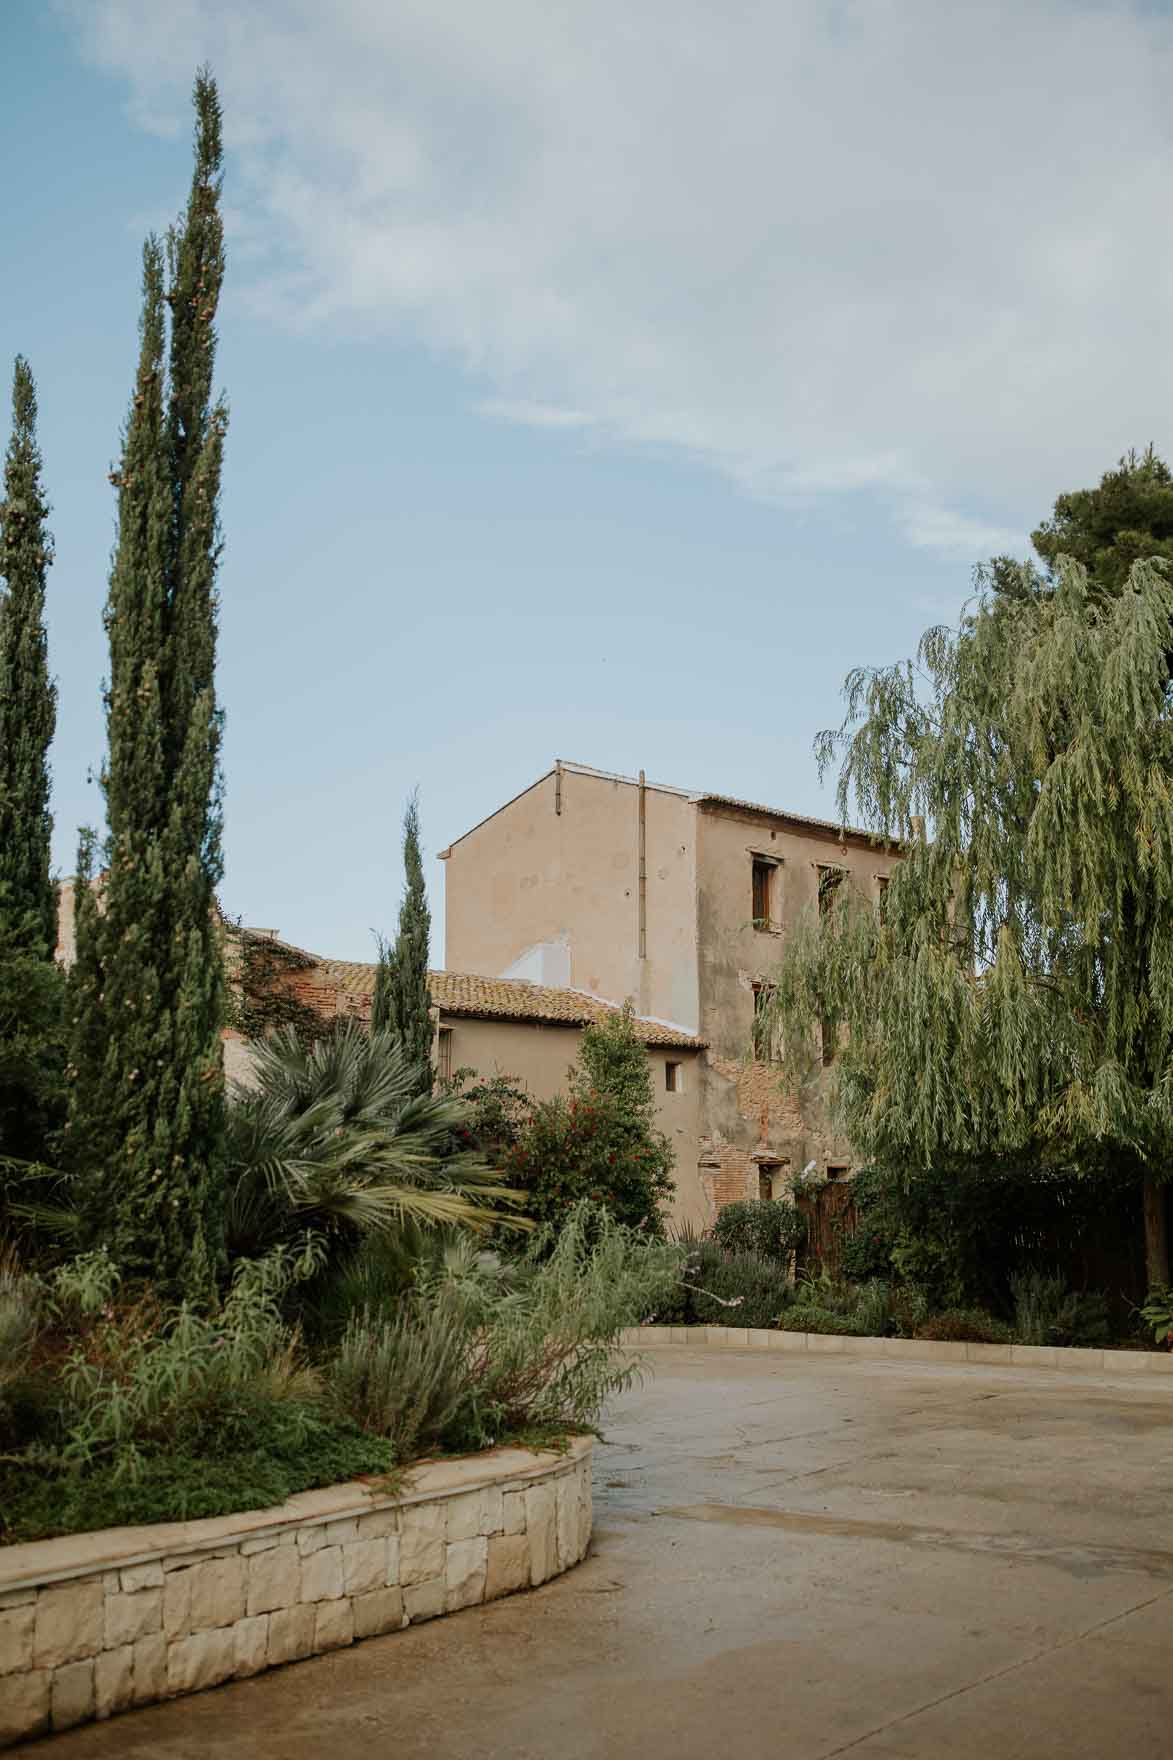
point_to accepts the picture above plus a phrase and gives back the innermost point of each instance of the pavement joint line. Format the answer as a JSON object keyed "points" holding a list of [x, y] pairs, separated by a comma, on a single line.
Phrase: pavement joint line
{"points": [[996, 1674]]}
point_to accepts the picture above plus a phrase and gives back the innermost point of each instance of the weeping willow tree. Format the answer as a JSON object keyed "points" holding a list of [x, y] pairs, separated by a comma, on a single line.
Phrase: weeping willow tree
{"points": [[1014, 993]]}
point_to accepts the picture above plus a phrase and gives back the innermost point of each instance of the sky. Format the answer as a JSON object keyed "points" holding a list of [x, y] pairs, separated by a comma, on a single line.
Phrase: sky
{"points": [[605, 381]]}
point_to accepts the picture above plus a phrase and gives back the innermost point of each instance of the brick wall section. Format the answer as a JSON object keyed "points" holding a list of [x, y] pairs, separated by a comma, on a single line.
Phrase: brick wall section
{"points": [[95, 1624], [777, 1131]]}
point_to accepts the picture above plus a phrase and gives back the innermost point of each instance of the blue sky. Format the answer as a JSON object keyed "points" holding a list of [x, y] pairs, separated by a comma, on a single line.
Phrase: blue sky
{"points": [[548, 439]]}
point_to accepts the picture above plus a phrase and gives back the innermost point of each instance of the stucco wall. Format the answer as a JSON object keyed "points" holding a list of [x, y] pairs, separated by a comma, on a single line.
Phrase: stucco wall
{"points": [[530, 875], [540, 1056], [748, 1116], [93, 1624]]}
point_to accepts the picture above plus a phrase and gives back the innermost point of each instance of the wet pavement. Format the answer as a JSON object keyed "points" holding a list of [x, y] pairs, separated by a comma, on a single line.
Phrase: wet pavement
{"points": [[794, 1557]]}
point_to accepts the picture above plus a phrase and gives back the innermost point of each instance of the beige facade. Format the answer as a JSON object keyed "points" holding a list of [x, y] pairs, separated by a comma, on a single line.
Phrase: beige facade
{"points": [[549, 887]]}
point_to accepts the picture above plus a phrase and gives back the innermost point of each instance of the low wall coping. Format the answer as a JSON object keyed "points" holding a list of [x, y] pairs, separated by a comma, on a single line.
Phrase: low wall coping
{"points": [[77, 1555], [925, 1350]]}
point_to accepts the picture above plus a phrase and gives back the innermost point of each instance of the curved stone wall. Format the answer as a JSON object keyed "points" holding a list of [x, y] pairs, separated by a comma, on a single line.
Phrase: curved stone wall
{"points": [[93, 1624]]}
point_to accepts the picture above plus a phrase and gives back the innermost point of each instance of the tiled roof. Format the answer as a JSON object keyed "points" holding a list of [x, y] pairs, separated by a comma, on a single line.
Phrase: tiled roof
{"points": [[507, 999]]}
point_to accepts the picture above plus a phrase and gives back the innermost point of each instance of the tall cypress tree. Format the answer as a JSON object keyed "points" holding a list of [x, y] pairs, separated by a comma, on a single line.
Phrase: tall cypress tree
{"points": [[31, 1049], [28, 698], [147, 1106], [402, 1003]]}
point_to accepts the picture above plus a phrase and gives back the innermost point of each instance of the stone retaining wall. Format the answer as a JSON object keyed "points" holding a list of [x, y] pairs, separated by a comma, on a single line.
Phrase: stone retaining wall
{"points": [[92, 1624], [911, 1349]]}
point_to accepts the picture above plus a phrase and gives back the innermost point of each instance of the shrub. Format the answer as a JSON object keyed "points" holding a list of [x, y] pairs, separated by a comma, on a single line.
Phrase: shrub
{"points": [[600, 1144], [769, 1227], [965, 1326], [809, 1317], [405, 1378], [734, 1288]]}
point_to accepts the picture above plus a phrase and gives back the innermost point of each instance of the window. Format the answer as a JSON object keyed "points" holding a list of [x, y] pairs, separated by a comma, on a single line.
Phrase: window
{"points": [[673, 1078], [763, 893], [882, 896], [830, 880], [771, 1178], [444, 1054], [828, 1036], [837, 1170]]}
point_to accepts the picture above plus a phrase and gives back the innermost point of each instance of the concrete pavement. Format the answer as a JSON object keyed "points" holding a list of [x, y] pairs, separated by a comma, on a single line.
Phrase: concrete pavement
{"points": [[794, 1557]]}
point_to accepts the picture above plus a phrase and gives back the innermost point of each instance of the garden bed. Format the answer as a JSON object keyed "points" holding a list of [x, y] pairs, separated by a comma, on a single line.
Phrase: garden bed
{"points": [[93, 1624]]}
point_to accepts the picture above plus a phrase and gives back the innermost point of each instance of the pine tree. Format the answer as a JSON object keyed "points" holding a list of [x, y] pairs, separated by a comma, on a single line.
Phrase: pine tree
{"points": [[402, 1003], [28, 698], [1016, 994], [147, 1106], [31, 1050]]}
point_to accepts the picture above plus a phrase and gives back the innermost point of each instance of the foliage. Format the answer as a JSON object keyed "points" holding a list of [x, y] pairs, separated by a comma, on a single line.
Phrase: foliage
{"points": [[32, 1053], [1015, 998], [335, 1138], [1127, 519], [28, 697], [1157, 1313], [145, 1134], [965, 1326], [1047, 1312], [498, 1109], [600, 1143], [260, 999], [812, 1317], [480, 1353], [767, 1226], [722, 1287], [402, 1003], [140, 1413]]}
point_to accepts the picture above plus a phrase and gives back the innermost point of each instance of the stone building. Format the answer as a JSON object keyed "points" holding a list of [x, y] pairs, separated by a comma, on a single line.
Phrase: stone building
{"points": [[680, 900]]}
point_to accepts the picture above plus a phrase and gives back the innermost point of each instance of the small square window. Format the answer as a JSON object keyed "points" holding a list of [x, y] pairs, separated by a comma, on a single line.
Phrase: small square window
{"points": [[673, 1078], [444, 1054], [763, 1046], [830, 880], [838, 1171], [828, 1035]]}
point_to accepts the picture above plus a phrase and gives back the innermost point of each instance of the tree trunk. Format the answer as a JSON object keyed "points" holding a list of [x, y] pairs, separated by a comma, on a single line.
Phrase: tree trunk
{"points": [[1156, 1239]]}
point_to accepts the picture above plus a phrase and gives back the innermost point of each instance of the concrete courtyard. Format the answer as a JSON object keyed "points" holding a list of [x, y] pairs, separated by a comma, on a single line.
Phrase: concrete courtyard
{"points": [[794, 1557]]}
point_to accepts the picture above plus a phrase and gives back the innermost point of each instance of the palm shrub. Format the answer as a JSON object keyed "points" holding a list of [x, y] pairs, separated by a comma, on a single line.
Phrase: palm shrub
{"points": [[334, 1139]]}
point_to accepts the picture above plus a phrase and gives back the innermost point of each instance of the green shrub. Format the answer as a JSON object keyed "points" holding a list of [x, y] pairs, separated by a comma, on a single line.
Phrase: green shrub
{"points": [[965, 1326], [405, 1377], [768, 1227], [733, 1288], [808, 1317]]}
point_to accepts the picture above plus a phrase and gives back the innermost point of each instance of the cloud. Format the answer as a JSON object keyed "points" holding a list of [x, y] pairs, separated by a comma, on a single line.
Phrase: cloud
{"points": [[532, 415], [823, 246]]}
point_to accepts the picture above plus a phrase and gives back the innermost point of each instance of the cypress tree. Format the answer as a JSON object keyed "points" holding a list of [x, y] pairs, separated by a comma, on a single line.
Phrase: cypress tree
{"points": [[31, 1050], [402, 1003], [147, 1105], [28, 698]]}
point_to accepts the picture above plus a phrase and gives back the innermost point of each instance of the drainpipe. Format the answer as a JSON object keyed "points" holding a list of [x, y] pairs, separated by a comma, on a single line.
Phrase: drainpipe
{"points": [[643, 866]]}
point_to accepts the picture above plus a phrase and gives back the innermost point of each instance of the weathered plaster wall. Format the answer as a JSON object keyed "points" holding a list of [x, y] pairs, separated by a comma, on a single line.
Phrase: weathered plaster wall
{"points": [[748, 1117], [531, 876], [93, 1624]]}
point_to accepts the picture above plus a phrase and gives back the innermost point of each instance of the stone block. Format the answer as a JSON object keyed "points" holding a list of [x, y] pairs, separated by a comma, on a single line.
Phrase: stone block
{"points": [[333, 1625], [274, 1580], [1130, 1362], [476, 1513], [540, 1525], [586, 1512], [16, 1638], [464, 1573], [380, 1524], [291, 1634], [391, 1576], [141, 1576], [217, 1592], [69, 1624], [788, 1341], [17, 1598], [758, 1338], [177, 1604], [310, 1539], [1034, 1356], [833, 1343], [260, 1543], [321, 1575], [114, 1681], [24, 1706], [421, 1543], [71, 1697], [380, 1611], [202, 1660], [513, 1509], [150, 1669], [681, 1335], [987, 1353], [364, 1566], [718, 1335], [130, 1617], [250, 1645], [930, 1350], [736, 1337], [1080, 1357], [340, 1531], [424, 1600], [508, 1565], [566, 1495]]}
